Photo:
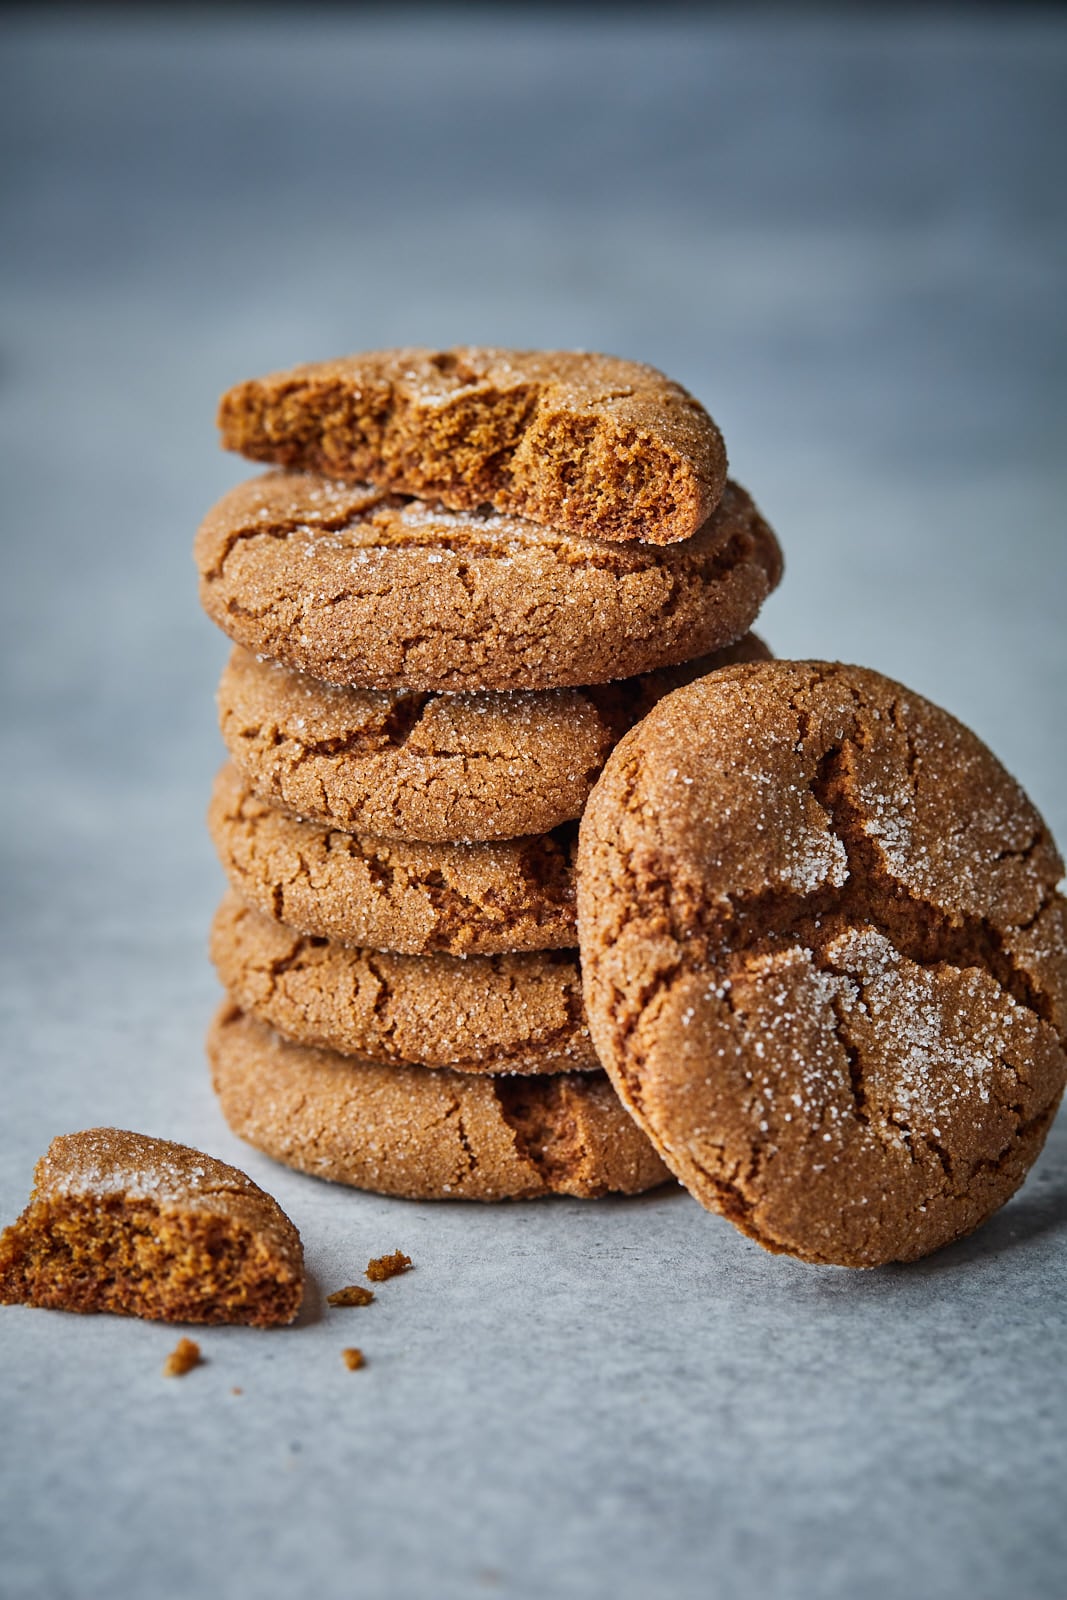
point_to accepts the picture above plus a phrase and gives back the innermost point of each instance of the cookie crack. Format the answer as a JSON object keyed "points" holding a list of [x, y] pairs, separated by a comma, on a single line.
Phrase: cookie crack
{"points": [[853, 1058], [1022, 1132], [454, 1114], [403, 718], [544, 1136], [870, 899], [391, 733], [281, 528], [942, 1155], [919, 930], [732, 1202], [386, 1026], [912, 758], [275, 967]]}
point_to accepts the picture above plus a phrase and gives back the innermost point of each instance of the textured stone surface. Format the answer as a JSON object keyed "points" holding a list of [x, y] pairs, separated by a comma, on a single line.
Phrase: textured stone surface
{"points": [[844, 238]]}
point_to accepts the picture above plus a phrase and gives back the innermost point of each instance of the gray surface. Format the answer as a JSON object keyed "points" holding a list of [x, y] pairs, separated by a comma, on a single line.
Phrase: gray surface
{"points": [[847, 238]]}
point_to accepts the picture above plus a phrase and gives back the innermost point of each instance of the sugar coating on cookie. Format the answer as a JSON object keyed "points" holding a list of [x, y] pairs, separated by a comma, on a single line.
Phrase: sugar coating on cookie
{"points": [[437, 768], [423, 1134], [360, 587], [505, 1013], [587, 443], [825, 959], [121, 1222], [412, 898]]}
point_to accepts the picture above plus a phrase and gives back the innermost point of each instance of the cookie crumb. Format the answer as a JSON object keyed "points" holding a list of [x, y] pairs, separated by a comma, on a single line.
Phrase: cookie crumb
{"points": [[353, 1358], [182, 1359], [236, 1390], [383, 1267], [354, 1295]]}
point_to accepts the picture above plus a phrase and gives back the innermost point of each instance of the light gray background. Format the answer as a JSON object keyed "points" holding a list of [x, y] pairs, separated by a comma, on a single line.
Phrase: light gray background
{"points": [[846, 235]]}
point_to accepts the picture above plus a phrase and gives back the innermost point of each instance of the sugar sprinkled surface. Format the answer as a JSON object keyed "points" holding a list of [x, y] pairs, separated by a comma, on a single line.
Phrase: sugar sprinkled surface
{"points": [[102, 1161]]}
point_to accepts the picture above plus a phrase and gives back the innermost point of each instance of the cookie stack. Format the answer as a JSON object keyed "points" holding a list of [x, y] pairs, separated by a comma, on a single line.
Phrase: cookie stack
{"points": [[470, 573]]}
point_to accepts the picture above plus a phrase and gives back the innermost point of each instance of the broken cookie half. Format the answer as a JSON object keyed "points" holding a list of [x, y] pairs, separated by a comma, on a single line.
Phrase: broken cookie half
{"points": [[146, 1228]]}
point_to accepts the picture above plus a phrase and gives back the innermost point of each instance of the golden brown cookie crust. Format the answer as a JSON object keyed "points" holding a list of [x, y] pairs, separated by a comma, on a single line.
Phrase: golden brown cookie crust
{"points": [[432, 767], [427, 1135], [121, 1222], [586, 443], [825, 959], [415, 899], [507, 1013], [359, 587]]}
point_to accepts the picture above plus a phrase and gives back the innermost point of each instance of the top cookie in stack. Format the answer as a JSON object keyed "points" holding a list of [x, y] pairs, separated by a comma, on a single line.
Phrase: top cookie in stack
{"points": [[493, 520], [473, 571]]}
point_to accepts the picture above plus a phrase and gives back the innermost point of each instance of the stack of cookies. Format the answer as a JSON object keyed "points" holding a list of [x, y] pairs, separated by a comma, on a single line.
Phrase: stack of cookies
{"points": [[469, 575]]}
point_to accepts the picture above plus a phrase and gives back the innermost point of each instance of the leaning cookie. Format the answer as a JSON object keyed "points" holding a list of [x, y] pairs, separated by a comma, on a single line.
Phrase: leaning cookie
{"points": [[433, 767], [356, 586], [121, 1222], [587, 443], [506, 1013], [426, 1135], [825, 959], [415, 899]]}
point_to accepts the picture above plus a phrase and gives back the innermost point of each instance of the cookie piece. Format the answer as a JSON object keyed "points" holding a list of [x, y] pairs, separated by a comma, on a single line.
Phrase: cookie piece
{"points": [[586, 443], [415, 899], [360, 587], [507, 1013], [426, 1135], [431, 767], [121, 1222], [825, 959]]}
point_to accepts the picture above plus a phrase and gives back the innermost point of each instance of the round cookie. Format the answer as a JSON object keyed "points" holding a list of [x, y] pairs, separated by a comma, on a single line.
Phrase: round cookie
{"points": [[459, 899], [360, 587], [422, 1134], [589, 443], [506, 1013], [433, 767], [825, 959]]}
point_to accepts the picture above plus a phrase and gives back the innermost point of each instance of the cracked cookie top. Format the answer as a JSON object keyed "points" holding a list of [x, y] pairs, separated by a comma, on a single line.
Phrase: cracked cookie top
{"points": [[358, 586], [442, 768], [413, 898], [519, 1012], [825, 958], [585, 443]]}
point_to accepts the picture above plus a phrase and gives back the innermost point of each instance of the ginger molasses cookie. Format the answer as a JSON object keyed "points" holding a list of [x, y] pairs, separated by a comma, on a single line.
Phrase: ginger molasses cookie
{"points": [[423, 1134], [825, 959], [586, 443], [360, 587], [505, 1013], [121, 1222], [434, 767], [460, 899]]}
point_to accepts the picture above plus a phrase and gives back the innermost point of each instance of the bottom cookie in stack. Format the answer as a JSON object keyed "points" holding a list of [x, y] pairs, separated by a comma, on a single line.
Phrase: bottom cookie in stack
{"points": [[422, 1133], [427, 1076]]}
